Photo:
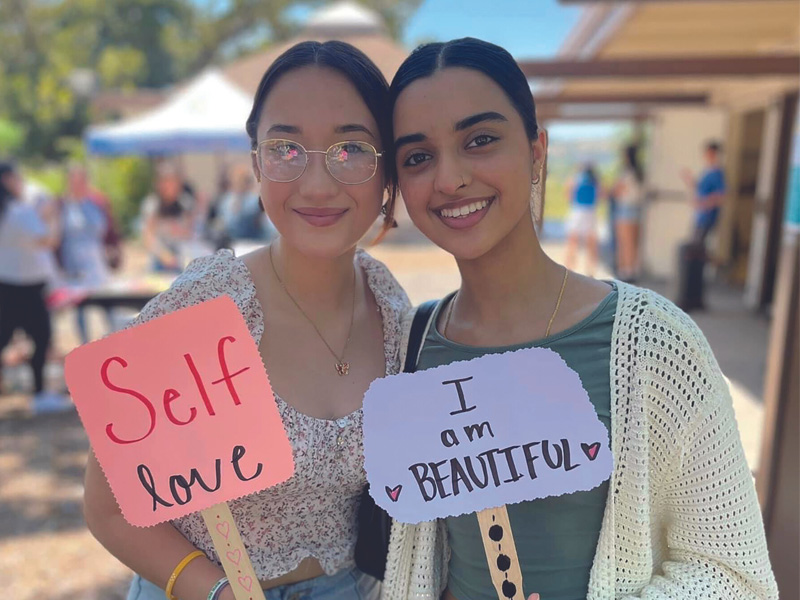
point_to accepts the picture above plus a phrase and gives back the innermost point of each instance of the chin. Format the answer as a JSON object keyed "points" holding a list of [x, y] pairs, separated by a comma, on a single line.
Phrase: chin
{"points": [[465, 246], [322, 245], [467, 251]]}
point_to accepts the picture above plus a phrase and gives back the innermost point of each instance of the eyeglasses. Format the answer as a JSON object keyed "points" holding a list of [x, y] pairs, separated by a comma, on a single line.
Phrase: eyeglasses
{"points": [[349, 163]]}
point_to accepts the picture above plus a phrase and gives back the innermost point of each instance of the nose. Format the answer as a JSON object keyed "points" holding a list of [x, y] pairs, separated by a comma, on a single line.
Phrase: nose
{"points": [[316, 183], [451, 175]]}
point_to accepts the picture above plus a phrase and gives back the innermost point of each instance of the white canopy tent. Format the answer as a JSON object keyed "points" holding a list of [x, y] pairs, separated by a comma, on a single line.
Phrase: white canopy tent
{"points": [[208, 115]]}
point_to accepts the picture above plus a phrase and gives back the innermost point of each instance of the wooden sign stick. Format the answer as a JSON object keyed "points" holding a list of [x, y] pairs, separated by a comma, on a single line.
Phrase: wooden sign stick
{"points": [[231, 551], [501, 553]]}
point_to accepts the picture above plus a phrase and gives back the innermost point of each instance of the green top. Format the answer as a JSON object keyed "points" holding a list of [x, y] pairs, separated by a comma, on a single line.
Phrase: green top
{"points": [[555, 537]]}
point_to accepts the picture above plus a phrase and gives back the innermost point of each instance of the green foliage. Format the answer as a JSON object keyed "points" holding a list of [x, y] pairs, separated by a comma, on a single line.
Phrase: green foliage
{"points": [[121, 67], [556, 204], [45, 43], [123, 44], [126, 181], [50, 176], [11, 137]]}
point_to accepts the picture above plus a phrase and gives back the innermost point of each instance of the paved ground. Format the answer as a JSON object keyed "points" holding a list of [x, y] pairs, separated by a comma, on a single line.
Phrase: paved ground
{"points": [[45, 550]]}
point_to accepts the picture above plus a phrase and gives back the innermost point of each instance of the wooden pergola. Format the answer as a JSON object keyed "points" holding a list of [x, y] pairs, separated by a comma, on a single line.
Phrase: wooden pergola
{"points": [[741, 57], [631, 77], [648, 53]]}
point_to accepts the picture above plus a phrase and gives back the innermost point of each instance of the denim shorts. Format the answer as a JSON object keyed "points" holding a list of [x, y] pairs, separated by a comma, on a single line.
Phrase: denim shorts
{"points": [[347, 584], [627, 213]]}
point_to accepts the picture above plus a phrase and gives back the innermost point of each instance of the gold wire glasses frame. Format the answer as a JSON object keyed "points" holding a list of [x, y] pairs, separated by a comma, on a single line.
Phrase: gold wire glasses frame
{"points": [[286, 161]]}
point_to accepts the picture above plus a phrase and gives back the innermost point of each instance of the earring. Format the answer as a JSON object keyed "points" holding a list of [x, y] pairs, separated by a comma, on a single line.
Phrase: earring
{"points": [[383, 210], [537, 180]]}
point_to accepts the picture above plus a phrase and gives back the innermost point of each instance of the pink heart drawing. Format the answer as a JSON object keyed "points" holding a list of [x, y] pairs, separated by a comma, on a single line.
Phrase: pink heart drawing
{"points": [[591, 450], [224, 529], [246, 582], [234, 556], [394, 493]]}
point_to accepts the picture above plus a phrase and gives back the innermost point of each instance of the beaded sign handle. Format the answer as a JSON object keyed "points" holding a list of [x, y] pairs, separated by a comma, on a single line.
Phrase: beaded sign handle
{"points": [[501, 553], [230, 549]]}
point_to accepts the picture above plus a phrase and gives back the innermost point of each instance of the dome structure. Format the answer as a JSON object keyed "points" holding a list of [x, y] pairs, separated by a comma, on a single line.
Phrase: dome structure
{"points": [[342, 19]]}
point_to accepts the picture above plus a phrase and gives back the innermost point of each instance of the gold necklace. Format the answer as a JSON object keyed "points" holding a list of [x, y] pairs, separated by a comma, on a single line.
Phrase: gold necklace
{"points": [[549, 324], [342, 367]]}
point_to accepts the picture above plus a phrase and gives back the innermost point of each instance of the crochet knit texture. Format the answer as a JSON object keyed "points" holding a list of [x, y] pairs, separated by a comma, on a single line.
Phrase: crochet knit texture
{"points": [[681, 521]]}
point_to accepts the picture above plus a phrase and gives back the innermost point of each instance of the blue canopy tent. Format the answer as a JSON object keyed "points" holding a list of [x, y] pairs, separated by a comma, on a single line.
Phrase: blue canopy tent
{"points": [[208, 115]]}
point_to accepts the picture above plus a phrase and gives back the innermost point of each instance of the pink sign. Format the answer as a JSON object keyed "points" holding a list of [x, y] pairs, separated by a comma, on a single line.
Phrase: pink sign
{"points": [[180, 413]]}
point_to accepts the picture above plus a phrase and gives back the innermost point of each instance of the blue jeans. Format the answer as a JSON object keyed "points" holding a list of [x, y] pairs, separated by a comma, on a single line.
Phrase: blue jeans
{"points": [[347, 584]]}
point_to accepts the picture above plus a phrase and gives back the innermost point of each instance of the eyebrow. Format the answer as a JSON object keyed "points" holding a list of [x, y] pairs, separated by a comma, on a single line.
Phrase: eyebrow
{"points": [[351, 127], [409, 139], [465, 123], [347, 128], [478, 118], [281, 128]]}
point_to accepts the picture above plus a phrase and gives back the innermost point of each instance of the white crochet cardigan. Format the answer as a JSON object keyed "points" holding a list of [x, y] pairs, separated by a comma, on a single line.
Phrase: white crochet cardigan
{"points": [[681, 521]]}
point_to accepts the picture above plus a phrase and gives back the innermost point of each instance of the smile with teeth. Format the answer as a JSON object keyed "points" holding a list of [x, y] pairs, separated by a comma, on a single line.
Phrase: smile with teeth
{"points": [[463, 211]]}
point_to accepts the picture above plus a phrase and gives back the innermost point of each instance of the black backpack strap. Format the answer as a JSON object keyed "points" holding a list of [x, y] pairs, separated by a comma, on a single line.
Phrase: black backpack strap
{"points": [[419, 328]]}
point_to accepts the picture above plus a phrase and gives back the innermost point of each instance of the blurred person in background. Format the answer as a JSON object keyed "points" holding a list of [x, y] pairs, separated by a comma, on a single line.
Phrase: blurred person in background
{"points": [[708, 192], [83, 252], [582, 221], [628, 191], [212, 224], [240, 211], [26, 240], [167, 220]]}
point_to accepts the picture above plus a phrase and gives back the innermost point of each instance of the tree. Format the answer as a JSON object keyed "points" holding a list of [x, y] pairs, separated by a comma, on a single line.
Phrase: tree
{"points": [[125, 44], [217, 26]]}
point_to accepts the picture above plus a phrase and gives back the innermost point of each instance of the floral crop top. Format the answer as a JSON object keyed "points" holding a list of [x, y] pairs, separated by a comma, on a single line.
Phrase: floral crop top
{"points": [[313, 514]]}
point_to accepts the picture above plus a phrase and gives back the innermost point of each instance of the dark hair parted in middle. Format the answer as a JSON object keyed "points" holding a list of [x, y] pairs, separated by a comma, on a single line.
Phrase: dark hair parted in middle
{"points": [[359, 70], [470, 53]]}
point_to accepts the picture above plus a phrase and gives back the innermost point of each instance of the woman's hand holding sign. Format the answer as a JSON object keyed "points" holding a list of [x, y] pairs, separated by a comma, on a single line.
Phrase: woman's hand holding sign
{"points": [[181, 418], [476, 435]]}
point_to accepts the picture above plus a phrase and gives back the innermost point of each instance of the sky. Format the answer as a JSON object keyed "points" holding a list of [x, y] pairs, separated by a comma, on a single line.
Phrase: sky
{"points": [[526, 28]]}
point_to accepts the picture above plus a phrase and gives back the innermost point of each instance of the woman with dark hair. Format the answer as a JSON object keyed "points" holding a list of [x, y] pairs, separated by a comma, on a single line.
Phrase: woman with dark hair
{"points": [[326, 319], [168, 216], [583, 194], [25, 240], [679, 516], [628, 190]]}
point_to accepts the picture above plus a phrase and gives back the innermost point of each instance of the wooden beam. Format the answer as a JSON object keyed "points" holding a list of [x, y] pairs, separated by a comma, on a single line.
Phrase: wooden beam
{"points": [[639, 1], [698, 66], [548, 99]]}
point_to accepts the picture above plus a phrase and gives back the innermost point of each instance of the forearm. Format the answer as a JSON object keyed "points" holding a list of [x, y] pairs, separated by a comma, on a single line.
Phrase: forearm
{"points": [[152, 552], [717, 548]]}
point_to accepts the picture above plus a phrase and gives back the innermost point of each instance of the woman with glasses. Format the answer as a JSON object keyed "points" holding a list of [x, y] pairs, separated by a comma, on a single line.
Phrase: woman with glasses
{"points": [[326, 318], [679, 516]]}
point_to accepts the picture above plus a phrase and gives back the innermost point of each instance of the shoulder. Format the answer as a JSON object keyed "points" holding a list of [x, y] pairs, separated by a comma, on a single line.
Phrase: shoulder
{"points": [[204, 279], [672, 353], [24, 216], [149, 204], [388, 292]]}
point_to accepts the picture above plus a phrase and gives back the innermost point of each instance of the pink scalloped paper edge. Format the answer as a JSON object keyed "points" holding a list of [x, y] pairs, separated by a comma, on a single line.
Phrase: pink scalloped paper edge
{"points": [[254, 423]]}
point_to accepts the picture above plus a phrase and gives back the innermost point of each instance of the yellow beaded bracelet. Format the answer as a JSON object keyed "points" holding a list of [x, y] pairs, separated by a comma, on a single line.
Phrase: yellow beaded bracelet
{"points": [[181, 566]]}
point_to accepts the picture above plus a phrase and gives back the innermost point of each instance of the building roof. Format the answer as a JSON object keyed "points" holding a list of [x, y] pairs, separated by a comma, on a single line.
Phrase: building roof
{"points": [[666, 29]]}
